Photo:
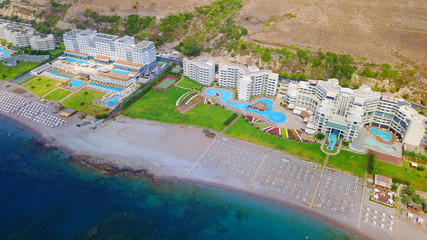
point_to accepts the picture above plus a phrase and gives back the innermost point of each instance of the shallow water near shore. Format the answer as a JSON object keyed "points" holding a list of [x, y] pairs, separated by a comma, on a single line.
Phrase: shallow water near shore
{"points": [[45, 195]]}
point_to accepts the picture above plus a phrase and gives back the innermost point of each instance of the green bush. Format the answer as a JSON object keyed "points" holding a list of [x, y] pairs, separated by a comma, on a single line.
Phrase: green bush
{"points": [[101, 116], [371, 163], [394, 187], [421, 168], [189, 47], [230, 119]]}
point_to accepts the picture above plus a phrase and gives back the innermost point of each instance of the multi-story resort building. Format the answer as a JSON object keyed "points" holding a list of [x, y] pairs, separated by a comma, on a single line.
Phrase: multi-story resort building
{"points": [[200, 70], [106, 48], [249, 81], [345, 110], [24, 35]]}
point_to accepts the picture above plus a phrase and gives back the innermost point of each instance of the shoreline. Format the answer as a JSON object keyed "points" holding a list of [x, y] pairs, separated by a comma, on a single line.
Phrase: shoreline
{"points": [[97, 164]]}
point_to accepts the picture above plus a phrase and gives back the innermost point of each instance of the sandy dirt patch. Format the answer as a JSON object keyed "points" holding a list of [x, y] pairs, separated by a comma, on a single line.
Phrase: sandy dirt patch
{"points": [[376, 30]]}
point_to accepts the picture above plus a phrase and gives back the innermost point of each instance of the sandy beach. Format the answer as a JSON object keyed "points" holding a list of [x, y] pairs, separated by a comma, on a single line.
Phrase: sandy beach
{"points": [[184, 153]]}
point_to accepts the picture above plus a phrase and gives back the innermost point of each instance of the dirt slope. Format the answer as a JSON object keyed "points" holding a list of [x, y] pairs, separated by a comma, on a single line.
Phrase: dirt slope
{"points": [[379, 30]]}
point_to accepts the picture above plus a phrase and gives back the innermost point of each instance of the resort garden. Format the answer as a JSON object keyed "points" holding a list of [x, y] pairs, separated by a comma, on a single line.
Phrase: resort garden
{"points": [[57, 95], [160, 106], [40, 85], [404, 175], [190, 84], [350, 162], [308, 151], [83, 101], [9, 73]]}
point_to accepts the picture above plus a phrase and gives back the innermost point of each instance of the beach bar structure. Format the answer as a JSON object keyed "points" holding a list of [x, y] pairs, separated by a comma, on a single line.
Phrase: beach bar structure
{"points": [[67, 113], [382, 181]]}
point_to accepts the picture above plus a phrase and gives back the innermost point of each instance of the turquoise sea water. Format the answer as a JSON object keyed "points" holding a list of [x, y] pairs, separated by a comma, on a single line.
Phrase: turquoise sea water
{"points": [[45, 195]]}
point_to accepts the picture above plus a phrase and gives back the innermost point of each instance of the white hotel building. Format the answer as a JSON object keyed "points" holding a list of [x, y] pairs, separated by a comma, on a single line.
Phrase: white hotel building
{"points": [[24, 35], [346, 110], [200, 70], [107, 48], [249, 82]]}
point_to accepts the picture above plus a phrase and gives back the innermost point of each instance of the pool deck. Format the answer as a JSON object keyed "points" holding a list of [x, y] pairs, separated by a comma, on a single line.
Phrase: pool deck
{"points": [[379, 139], [359, 144]]}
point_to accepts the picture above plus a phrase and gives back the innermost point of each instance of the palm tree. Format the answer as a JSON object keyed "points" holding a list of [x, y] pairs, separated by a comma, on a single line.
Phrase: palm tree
{"points": [[319, 136]]}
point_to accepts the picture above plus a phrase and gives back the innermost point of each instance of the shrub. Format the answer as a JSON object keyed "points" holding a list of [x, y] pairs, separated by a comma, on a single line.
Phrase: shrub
{"points": [[101, 116], [230, 119], [371, 163], [394, 187], [421, 168], [406, 200]]}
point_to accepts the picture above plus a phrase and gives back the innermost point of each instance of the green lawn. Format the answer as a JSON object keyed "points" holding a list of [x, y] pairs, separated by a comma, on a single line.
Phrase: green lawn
{"points": [[9, 73], [40, 85], [160, 106], [325, 148], [243, 130], [188, 83], [349, 162], [57, 95], [416, 178], [80, 100]]}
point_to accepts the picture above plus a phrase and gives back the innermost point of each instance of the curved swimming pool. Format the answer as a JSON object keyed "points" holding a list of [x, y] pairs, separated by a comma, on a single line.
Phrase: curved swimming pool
{"points": [[385, 136], [372, 142], [225, 95], [3, 53], [274, 116]]}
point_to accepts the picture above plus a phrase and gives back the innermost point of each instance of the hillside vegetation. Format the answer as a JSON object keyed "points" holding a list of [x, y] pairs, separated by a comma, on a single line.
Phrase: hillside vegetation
{"points": [[280, 35]]}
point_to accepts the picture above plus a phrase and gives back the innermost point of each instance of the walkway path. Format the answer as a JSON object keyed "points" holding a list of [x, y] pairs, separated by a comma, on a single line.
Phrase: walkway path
{"points": [[320, 179], [363, 192], [49, 93], [210, 145], [67, 97]]}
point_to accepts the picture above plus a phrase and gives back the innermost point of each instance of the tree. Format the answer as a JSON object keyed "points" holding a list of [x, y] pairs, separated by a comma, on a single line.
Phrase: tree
{"points": [[346, 143], [319, 136], [265, 56], [406, 200], [189, 47], [394, 187], [294, 76], [409, 190], [302, 77]]}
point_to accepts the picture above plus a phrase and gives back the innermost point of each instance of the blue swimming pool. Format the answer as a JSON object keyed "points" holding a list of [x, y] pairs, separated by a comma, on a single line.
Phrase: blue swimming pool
{"points": [[332, 140], [76, 83], [3, 53], [372, 142], [274, 116], [225, 95], [382, 134], [120, 72], [112, 101], [72, 60], [107, 87]]}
